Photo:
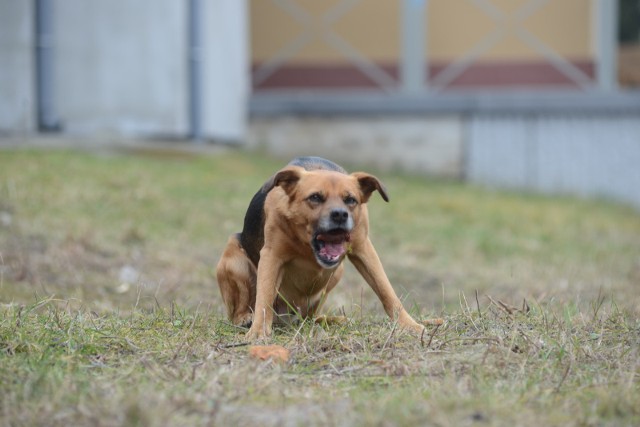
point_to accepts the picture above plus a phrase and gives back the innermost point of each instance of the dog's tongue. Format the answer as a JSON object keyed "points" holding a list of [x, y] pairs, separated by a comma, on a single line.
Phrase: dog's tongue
{"points": [[332, 250], [334, 245]]}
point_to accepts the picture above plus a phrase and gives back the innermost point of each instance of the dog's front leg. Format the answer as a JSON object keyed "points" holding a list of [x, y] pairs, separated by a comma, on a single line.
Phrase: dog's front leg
{"points": [[267, 285], [367, 262]]}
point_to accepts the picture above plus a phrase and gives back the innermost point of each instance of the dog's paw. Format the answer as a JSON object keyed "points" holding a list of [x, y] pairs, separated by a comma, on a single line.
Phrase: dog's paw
{"points": [[257, 334], [243, 320], [407, 323]]}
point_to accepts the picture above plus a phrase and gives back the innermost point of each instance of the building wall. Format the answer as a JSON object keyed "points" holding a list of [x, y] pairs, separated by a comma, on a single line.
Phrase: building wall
{"points": [[372, 26], [591, 155], [453, 29], [226, 87], [455, 26], [121, 67], [419, 144], [17, 109]]}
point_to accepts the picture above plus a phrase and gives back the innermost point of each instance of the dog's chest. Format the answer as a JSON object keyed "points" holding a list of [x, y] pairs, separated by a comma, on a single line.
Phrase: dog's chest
{"points": [[304, 278]]}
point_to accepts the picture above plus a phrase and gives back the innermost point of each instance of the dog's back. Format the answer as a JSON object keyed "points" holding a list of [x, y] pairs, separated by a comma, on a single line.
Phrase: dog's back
{"points": [[252, 236]]}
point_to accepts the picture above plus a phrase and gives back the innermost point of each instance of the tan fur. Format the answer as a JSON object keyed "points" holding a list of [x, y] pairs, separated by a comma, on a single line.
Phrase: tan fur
{"points": [[288, 275]]}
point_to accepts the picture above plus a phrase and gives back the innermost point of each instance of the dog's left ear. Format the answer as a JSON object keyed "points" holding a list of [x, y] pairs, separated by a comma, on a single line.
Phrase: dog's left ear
{"points": [[287, 179], [369, 184]]}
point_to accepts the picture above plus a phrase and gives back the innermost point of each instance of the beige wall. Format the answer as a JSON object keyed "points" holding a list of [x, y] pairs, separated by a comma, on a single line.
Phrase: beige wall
{"points": [[454, 27], [371, 26]]}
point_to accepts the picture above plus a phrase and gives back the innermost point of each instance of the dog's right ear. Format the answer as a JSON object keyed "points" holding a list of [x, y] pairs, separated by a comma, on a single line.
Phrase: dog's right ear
{"points": [[287, 179]]}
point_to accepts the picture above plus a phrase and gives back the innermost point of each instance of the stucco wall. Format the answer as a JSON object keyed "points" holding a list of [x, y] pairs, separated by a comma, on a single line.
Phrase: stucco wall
{"points": [[430, 146], [591, 155], [452, 29], [17, 109], [121, 67]]}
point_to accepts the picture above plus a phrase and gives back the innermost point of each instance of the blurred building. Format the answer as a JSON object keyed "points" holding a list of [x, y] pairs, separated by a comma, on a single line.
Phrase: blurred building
{"points": [[452, 44], [150, 68], [519, 94], [535, 94]]}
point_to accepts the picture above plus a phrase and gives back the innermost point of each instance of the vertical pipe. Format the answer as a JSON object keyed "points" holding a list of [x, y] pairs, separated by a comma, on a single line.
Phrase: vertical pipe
{"points": [[194, 50], [607, 44], [46, 114], [413, 67]]}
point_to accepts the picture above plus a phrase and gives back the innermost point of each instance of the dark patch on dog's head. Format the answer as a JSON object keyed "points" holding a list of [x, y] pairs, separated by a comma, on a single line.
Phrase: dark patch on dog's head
{"points": [[311, 163]]}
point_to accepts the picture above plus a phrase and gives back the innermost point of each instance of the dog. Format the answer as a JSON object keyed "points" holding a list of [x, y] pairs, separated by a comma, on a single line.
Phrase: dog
{"points": [[299, 227]]}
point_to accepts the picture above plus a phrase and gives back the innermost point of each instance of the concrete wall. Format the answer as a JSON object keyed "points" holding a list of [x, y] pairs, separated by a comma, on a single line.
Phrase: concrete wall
{"points": [[226, 68], [17, 109], [591, 155], [121, 67], [424, 145]]}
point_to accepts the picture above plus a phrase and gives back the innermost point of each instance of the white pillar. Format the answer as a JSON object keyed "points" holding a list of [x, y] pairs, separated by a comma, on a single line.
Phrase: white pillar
{"points": [[413, 71], [225, 69], [606, 34]]}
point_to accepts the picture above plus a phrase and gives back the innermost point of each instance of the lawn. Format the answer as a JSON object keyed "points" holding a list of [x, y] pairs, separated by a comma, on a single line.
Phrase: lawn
{"points": [[110, 312]]}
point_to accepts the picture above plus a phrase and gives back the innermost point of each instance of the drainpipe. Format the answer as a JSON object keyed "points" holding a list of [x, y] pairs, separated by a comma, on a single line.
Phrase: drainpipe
{"points": [[194, 51], [46, 114]]}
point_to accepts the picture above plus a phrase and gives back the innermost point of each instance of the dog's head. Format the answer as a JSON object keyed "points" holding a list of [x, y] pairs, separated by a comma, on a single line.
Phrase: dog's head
{"points": [[325, 207]]}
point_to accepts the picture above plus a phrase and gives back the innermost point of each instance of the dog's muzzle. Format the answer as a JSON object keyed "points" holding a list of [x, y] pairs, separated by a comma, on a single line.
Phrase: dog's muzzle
{"points": [[331, 241]]}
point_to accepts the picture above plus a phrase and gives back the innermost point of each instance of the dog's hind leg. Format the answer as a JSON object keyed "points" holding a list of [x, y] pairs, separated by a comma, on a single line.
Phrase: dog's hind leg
{"points": [[237, 280]]}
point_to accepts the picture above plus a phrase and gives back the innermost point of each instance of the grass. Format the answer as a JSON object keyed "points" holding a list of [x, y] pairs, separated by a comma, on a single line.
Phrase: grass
{"points": [[110, 314]]}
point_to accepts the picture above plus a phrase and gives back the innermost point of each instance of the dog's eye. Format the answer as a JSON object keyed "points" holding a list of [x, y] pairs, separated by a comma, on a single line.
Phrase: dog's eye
{"points": [[316, 198], [350, 201]]}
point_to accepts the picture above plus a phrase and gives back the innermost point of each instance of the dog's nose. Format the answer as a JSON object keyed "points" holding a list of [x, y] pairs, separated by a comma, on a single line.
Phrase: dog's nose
{"points": [[339, 216]]}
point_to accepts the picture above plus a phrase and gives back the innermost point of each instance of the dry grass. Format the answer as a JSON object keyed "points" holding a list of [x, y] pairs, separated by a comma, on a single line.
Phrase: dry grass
{"points": [[110, 314], [172, 367]]}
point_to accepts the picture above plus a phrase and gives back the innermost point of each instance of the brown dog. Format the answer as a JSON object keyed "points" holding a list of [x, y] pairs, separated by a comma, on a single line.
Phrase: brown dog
{"points": [[297, 231]]}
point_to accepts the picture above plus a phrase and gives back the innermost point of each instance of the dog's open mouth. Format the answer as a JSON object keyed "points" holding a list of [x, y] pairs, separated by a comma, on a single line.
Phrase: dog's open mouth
{"points": [[330, 245]]}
